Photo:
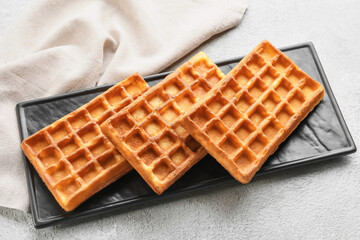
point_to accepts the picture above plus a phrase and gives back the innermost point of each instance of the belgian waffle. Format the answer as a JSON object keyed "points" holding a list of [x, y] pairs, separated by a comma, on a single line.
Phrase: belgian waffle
{"points": [[72, 156], [244, 119], [148, 133]]}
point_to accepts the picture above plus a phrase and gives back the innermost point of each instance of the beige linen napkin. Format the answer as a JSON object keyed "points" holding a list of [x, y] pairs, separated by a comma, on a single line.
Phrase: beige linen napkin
{"points": [[62, 45]]}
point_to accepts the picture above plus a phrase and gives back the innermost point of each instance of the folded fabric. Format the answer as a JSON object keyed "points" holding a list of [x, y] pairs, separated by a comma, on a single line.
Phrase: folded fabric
{"points": [[62, 45]]}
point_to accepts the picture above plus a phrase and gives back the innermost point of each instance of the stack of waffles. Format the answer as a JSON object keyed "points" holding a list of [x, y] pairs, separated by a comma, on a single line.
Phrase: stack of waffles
{"points": [[240, 119]]}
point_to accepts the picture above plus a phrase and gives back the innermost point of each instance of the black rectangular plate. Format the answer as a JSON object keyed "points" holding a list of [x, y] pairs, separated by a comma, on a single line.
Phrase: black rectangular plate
{"points": [[322, 135]]}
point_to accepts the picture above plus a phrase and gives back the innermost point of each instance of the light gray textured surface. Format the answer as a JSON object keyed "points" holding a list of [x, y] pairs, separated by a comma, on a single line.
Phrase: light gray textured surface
{"points": [[317, 201]]}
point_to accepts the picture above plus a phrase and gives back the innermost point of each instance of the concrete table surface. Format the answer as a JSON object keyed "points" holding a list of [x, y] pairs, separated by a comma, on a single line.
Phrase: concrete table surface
{"points": [[316, 201]]}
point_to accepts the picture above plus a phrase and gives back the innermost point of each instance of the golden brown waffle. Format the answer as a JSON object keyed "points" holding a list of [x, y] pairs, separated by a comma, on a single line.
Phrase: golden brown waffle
{"points": [[243, 120], [72, 156], [148, 133]]}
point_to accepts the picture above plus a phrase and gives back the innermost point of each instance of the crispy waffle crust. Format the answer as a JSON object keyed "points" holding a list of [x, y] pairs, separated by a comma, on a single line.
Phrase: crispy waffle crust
{"points": [[250, 112], [148, 133], [72, 156]]}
